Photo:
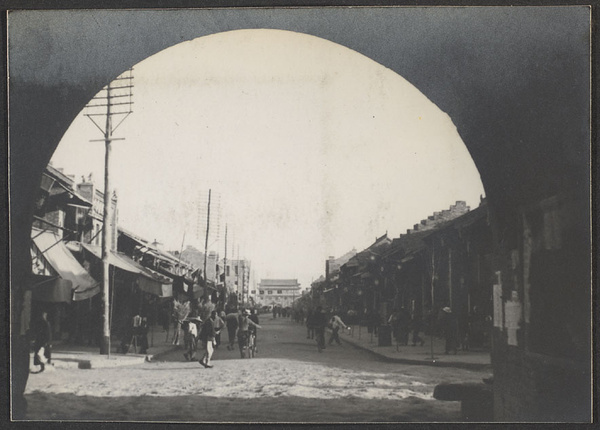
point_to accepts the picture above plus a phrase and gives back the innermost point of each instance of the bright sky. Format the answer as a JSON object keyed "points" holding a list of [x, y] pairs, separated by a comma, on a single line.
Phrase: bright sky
{"points": [[311, 148]]}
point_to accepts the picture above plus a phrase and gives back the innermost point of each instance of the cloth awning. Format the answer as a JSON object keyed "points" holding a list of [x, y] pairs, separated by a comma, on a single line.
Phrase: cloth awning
{"points": [[62, 261], [51, 289], [155, 283], [149, 280], [114, 259], [68, 197], [154, 287]]}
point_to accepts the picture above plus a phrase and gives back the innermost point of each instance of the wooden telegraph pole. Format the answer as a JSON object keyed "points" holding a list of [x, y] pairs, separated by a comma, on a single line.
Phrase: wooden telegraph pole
{"points": [[206, 242], [225, 267], [114, 99]]}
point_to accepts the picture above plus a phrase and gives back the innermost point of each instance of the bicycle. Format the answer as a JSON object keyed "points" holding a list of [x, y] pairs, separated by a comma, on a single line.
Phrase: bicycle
{"points": [[248, 345], [251, 345]]}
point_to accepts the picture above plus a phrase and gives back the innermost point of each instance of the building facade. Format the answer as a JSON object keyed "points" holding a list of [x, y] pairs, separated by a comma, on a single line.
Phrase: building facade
{"points": [[93, 234], [278, 292]]}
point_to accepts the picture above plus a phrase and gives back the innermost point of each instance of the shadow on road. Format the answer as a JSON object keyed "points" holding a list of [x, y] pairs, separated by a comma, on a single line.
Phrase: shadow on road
{"points": [[69, 407]]}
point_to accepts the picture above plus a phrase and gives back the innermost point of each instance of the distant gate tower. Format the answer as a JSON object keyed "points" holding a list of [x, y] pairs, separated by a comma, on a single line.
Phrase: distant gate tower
{"points": [[278, 292]]}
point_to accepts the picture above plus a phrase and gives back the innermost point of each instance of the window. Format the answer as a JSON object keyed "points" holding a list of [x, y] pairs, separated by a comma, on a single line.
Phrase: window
{"points": [[261, 291], [228, 271], [279, 291], [270, 292], [236, 270]]}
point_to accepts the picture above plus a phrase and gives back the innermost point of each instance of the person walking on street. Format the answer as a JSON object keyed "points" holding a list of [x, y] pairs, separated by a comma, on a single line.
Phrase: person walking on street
{"points": [[207, 335], [450, 329], [244, 324], [416, 323], [336, 324], [206, 307], [319, 323], [403, 326], [310, 324], [144, 335], [232, 325], [219, 324], [252, 329], [190, 337], [43, 342]]}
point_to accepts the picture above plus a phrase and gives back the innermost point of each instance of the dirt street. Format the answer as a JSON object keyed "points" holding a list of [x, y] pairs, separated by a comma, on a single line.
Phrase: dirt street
{"points": [[289, 381]]}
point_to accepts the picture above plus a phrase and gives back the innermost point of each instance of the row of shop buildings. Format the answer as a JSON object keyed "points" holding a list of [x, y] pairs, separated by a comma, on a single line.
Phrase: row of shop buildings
{"points": [[443, 261], [67, 267]]}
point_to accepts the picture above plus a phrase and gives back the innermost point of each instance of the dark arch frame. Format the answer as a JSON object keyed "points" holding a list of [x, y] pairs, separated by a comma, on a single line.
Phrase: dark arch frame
{"points": [[515, 81]]}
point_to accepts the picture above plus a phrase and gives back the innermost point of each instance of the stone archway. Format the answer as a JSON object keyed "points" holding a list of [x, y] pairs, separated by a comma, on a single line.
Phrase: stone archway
{"points": [[515, 82]]}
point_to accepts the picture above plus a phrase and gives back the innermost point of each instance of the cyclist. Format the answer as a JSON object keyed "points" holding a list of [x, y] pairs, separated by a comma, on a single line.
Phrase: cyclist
{"points": [[244, 323], [252, 329]]}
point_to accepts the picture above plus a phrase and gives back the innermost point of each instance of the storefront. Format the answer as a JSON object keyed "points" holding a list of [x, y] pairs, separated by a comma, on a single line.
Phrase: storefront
{"points": [[59, 281]]}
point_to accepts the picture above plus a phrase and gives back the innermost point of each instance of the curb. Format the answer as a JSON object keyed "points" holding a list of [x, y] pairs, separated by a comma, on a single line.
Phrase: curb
{"points": [[153, 357], [435, 363]]}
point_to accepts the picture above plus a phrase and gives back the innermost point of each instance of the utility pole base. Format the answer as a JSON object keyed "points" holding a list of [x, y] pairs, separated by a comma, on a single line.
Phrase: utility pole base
{"points": [[104, 346]]}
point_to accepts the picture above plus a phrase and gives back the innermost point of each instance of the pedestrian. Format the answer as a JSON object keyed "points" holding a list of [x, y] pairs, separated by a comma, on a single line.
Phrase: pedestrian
{"points": [[231, 320], [43, 342], [449, 326], [373, 321], [394, 322], [336, 324], [219, 325], [416, 324], [274, 312], [144, 335], [319, 322], [464, 330], [164, 320], [181, 310], [191, 338], [206, 307], [310, 324], [244, 323], [252, 329], [403, 326], [207, 335]]}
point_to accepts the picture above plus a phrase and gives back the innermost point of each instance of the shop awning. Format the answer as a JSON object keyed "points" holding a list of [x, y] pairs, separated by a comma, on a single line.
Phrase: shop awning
{"points": [[113, 258], [149, 280], [154, 283], [67, 197], [62, 261], [52, 289]]}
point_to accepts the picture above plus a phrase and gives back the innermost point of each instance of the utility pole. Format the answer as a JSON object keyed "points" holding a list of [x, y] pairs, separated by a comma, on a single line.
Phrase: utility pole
{"points": [[206, 241], [116, 97], [244, 280], [225, 265], [238, 273], [432, 316]]}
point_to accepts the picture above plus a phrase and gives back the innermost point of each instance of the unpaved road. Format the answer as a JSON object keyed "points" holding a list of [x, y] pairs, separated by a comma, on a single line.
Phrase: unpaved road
{"points": [[289, 381]]}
